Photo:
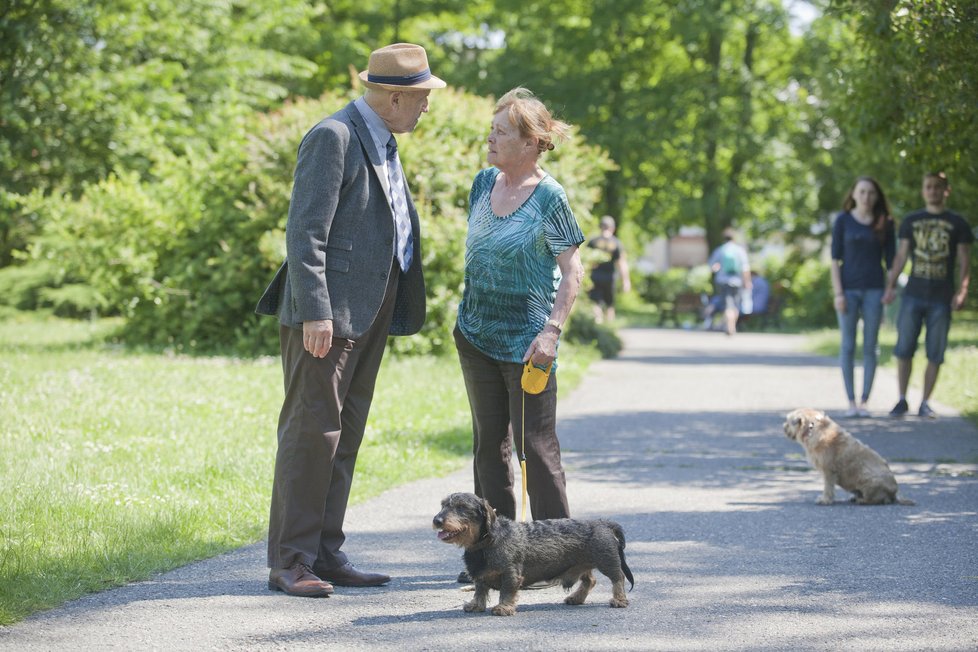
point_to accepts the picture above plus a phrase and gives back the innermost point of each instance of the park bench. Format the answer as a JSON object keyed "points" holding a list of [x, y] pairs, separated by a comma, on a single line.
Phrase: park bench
{"points": [[683, 304]]}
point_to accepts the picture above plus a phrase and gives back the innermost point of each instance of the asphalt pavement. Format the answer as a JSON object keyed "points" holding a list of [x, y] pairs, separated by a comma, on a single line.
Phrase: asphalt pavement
{"points": [[680, 440]]}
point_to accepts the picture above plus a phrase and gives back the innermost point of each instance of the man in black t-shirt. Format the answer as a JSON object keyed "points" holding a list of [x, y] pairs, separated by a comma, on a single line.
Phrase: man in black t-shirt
{"points": [[934, 239], [608, 256]]}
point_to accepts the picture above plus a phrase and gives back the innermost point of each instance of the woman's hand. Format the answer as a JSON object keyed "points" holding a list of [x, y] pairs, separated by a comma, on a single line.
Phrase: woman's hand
{"points": [[840, 303], [543, 348]]}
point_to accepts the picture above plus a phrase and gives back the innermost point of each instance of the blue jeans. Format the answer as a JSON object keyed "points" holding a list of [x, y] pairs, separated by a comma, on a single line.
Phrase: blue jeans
{"points": [[869, 305], [914, 313]]}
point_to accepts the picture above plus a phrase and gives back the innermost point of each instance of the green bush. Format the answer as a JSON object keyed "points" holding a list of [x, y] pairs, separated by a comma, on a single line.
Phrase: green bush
{"points": [[663, 287], [21, 287], [807, 289], [185, 254], [582, 328], [73, 300]]}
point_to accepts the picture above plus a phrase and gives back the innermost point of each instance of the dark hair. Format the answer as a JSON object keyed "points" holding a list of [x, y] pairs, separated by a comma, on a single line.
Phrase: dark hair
{"points": [[940, 176], [881, 209]]}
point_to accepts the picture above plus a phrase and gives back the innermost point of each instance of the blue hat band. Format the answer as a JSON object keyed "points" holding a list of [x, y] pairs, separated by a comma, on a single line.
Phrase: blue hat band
{"points": [[401, 80]]}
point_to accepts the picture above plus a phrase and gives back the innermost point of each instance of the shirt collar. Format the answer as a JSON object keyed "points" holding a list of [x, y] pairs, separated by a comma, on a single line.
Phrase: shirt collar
{"points": [[378, 130]]}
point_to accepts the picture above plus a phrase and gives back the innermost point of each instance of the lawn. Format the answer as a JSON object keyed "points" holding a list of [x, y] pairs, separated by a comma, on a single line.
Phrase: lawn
{"points": [[120, 464]]}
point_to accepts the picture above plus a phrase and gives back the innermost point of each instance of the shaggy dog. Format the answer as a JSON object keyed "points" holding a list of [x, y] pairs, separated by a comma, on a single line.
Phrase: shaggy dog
{"points": [[842, 460], [504, 555]]}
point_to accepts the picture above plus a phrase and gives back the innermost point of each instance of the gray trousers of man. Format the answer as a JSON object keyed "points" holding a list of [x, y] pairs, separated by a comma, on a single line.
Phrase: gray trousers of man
{"points": [[320, 429], [496, 400]]}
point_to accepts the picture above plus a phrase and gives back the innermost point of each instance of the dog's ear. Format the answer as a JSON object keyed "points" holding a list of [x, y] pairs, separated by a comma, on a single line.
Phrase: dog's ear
{"points": [[490, 513]]}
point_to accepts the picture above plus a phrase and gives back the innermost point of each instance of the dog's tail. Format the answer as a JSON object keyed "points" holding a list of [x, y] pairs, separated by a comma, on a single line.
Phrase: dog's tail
{"points": [[620, 535]]}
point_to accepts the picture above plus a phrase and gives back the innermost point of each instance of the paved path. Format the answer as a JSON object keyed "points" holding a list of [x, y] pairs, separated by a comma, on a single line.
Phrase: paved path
{"points": [[680, 440]]}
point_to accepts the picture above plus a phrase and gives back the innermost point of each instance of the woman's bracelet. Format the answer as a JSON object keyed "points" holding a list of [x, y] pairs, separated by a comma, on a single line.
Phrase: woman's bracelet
{"points": [[555, 325]]}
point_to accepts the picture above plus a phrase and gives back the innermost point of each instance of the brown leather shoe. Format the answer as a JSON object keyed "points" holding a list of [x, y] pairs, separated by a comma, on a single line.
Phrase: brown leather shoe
{"points": [[298, 580], [347, 575]]}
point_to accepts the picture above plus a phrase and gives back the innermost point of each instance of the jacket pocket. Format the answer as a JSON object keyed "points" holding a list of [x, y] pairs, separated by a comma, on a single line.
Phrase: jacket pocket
{"points": [[336, 258], [342, 244]]}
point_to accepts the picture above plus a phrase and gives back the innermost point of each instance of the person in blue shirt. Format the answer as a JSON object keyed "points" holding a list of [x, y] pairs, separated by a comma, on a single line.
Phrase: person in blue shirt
{"points": [[731, 277], [863, 244], [760, 292]]}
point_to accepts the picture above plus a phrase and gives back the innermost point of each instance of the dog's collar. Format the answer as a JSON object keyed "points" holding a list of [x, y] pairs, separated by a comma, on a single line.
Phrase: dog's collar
{"points": [[483, 542]]}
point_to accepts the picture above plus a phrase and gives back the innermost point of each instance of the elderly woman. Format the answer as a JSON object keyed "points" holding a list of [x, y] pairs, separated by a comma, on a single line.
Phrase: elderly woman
{"points": [[521, 234]]}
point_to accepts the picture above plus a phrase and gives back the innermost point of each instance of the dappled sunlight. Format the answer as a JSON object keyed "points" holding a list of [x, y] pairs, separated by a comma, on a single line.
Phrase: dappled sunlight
{"points": [[941, 517]]}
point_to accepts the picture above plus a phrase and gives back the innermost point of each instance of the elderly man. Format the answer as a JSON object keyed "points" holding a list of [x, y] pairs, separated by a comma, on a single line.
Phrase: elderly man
{"points": [[352, 276]]}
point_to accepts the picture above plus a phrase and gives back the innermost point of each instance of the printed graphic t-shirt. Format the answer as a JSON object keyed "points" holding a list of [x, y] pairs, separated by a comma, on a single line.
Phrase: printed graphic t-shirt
{"points": [[511, 272], [934, 241]]}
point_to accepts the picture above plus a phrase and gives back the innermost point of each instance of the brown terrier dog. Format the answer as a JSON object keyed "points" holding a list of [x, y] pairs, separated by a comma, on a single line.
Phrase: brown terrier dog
{"points": [[504, 555], [842, 459]]}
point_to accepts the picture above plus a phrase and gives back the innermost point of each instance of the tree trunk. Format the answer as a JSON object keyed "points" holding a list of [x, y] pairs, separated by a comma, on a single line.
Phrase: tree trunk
{"points": [[744, 150], [713, 219]]}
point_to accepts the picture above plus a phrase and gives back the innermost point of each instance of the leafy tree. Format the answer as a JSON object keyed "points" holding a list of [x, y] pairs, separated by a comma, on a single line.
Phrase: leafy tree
{"points": [[186, 254], [91, 86], [916, 79], [683, 95]]}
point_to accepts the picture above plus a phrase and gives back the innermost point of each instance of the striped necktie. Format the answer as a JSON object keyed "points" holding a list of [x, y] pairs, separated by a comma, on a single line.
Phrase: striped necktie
{"points": [[402, 222]]}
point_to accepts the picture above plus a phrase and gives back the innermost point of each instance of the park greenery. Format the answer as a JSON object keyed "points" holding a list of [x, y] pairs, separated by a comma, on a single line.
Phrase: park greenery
{"points": [[146, 149], [146, 153], [119, 464]]}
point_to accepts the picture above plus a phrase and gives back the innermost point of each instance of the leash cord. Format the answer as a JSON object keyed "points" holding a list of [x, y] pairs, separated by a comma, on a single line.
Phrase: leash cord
{"points": [[523, 457]]}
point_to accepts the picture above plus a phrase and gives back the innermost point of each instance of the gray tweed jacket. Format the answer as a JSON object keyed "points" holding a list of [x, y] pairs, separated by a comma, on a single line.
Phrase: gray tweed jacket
{"points": [[340, 237]]}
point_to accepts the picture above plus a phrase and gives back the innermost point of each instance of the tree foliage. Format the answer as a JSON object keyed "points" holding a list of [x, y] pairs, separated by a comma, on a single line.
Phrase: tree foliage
{"points": [[88, 87], [185, 254], [687, 96], [145, 149], [919, 63], [890, 92]]}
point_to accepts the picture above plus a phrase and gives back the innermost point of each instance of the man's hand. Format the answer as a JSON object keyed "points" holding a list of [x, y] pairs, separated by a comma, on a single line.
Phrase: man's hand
{"points": [[958, 302], [889, 296], [317, 337]]}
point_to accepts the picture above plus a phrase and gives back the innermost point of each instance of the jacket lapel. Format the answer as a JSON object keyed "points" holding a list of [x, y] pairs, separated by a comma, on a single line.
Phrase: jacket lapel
{"points": [[367, 144]]}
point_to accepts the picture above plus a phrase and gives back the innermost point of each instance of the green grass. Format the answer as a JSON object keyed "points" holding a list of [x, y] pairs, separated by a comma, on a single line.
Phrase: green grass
{"points": [[957, 383], [118, 464]]}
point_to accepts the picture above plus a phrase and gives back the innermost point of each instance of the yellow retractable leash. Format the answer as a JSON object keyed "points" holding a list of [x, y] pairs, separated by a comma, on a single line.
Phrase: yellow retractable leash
{"points": [[534, 381]]}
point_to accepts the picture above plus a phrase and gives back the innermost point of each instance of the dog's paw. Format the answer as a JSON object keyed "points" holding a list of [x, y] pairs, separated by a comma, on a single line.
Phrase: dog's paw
{"points": [[618, 603], [574, 599], [473, 606], [503, 610], [824, 501]]}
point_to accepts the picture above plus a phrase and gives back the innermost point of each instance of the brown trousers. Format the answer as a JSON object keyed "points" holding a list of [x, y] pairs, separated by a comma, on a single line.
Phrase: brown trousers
{"points": [[320, 429], [496, 401]]}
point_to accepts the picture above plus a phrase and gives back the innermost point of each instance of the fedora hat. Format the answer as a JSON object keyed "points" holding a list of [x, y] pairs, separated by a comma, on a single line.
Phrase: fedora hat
{"points": [[399, 67]]}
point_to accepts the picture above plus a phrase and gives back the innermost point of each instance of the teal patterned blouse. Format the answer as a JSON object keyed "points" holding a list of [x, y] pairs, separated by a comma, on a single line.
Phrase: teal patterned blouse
{"points": [[511, 272]]}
